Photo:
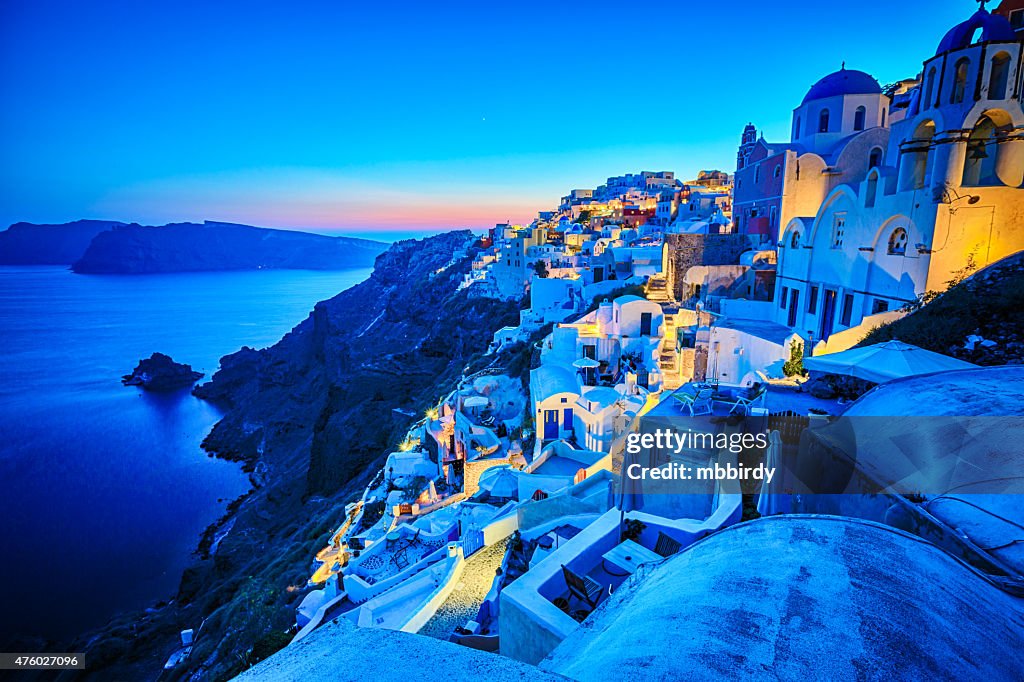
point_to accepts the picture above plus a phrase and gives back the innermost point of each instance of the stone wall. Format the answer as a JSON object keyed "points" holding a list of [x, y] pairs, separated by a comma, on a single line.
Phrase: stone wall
{"points": [[683, 251]]}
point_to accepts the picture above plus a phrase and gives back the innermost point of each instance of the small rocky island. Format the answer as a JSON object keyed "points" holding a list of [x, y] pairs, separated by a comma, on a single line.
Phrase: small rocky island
{"points": [[159, 372]]}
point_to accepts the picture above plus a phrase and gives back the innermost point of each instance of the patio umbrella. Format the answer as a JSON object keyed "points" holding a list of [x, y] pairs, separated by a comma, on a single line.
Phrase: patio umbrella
{"points": [[586, 363], [631, 491], [884, 362], [500, 481], [475, 401]]}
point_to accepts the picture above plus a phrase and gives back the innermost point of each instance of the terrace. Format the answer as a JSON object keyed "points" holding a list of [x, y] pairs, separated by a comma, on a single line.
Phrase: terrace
{"points": [[402, 552], [572, 573], [777, 398]]}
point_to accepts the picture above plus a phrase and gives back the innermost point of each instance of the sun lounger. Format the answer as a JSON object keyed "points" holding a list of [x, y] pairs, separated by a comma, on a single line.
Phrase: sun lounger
{"points": [[696, 403], [753, 396]]}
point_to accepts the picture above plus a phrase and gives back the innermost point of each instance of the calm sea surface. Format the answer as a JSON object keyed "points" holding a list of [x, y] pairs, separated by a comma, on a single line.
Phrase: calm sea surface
{"points": [[104, 490]]}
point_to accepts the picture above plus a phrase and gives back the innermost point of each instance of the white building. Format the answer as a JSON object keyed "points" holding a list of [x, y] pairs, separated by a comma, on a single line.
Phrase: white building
{"points": [[945, 195]]}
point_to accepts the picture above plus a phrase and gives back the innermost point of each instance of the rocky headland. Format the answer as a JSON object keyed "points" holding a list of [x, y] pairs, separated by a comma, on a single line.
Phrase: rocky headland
{"points": [[195, 247], [32, 244]]}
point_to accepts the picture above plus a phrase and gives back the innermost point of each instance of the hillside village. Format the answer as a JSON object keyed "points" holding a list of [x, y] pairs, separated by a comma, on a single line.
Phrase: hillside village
{"points": [[742, 300]]}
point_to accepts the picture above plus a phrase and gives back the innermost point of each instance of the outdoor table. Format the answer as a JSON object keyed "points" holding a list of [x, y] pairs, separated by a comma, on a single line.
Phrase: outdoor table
{"points": [[629, 555]]}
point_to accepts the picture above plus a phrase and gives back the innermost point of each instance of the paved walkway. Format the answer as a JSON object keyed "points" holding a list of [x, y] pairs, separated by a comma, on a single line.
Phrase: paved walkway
{"points": [[467, 596]]}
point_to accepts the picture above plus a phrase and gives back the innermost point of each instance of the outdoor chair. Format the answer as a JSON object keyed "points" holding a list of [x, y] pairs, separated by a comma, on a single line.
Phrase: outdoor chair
{"points": [[666, 546], [697, 403], [399, 558], [749, 398], [583, 588]]}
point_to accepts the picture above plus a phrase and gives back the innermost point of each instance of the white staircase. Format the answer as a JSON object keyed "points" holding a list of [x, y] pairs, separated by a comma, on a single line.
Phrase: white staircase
{"points": [[668, 358]]}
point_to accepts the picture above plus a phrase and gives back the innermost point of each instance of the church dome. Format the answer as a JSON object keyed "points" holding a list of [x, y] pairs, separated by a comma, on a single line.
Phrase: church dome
{"points": [[843, 82], [993, 27]]}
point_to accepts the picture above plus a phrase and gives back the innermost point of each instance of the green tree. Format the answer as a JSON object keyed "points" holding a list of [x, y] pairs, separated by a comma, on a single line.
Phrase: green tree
{"points": [[795, 365]]}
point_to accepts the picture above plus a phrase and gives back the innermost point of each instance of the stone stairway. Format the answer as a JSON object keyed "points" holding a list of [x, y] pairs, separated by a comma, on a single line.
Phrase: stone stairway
{"points": [[657, 289], [668, 358]]}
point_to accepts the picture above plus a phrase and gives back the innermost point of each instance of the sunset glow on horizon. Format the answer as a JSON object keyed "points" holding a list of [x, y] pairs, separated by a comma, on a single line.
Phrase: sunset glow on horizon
{"points": [[357, 120]]}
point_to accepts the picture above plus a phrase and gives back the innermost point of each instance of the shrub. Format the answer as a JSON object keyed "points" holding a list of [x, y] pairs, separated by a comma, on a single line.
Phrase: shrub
{"points": [[795, 365]]}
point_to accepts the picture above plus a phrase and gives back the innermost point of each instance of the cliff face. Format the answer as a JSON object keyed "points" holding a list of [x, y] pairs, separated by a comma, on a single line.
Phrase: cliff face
{"points": [[191, 247], [344, 381], [308, 416], [31, 244]]}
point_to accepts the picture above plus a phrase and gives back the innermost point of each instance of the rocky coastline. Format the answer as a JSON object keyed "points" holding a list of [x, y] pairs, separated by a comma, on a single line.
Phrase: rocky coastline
{"points": [[307, 418]]}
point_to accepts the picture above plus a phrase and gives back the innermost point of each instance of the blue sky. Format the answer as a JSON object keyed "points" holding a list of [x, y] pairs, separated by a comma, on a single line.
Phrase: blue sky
{"points": [[375, 118]]}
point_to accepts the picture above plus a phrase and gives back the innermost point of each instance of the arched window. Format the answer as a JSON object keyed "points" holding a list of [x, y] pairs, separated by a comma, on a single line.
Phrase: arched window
{"points": [[875, 158], [872, 190], [794, 240], [929, 84], [823, 121], [914, 157], [777, 172], [858, 118], [898, 242], [999, 74], [883, 116], [982, 162], [960, 81]]}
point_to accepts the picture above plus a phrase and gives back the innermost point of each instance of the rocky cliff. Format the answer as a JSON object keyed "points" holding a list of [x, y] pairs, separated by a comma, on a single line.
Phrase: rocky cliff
{"points": [[310, 417], [31, 244], [193, 247], [980, 319]]}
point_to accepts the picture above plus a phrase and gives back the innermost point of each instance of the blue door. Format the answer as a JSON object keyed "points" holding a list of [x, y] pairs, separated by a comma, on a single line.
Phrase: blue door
{"points": [[550, 424]]}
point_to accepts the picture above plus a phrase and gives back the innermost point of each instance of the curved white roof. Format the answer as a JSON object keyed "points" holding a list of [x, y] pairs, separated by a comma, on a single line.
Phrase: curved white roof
{"points": [[801, 597], [551, 379], [988, 391]]}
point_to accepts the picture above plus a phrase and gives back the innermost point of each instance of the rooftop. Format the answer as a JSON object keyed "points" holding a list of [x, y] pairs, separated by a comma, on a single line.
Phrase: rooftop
{"points": [[342, 651], [993, 28], [843, 82], [801, 597]]}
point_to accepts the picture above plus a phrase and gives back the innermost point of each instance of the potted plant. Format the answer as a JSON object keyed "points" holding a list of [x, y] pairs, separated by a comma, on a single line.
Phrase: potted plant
{"points": [[633, 529]]}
